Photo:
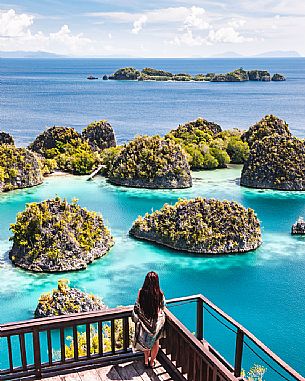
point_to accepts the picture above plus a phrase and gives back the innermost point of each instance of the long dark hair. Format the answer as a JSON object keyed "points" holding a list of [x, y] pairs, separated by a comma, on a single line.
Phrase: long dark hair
{"points": [[151, 296]]}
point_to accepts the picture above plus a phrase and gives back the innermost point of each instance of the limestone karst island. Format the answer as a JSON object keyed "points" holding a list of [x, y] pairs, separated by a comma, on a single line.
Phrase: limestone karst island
{"points": [[152, 190]]}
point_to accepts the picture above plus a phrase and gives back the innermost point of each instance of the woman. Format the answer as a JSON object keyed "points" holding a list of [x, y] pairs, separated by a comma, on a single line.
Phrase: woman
{"points": [[149, 318]]}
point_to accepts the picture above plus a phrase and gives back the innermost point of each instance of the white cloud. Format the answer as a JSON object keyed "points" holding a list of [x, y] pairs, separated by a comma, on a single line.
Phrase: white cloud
{"points": [[16, 35], [138, 24], [196, 19], [187, 38], [13, 24], [227, 35]]}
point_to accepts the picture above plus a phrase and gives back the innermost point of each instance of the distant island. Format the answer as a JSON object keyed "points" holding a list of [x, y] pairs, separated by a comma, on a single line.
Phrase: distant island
{"points": [[150, 74]]}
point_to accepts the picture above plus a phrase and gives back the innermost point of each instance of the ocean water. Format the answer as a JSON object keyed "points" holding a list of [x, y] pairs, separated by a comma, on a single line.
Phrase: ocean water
{"points": [[37, 93], [264, 290]]}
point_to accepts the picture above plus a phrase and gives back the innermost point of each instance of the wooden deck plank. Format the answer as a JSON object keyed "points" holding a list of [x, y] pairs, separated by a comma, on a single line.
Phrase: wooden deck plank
{"points": [[108, 373], [128, 372], [89, 375], [70, 377]]}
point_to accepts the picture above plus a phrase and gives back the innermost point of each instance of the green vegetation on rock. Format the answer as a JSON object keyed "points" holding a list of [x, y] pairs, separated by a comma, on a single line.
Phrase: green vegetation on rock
{"points": [[207, 146], [276, 162], [150, 74], [65, 300], [6, 138], [68, 148], [100, 134], [54, 235], [19, 168], [267, 126], [205, 226], [126, 73], [150, 162]]}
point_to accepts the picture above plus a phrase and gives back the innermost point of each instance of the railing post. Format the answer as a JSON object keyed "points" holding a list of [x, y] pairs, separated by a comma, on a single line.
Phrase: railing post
{"points": [[37, 356], [238, 352], [199, 323]]}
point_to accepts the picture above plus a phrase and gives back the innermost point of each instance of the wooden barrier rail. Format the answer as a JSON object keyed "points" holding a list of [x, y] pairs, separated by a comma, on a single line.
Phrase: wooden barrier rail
{"points": [[187, 356]]}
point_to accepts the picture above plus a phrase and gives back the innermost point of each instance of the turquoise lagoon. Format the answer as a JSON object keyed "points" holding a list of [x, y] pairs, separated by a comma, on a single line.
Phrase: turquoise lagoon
{"points": [[264, 290]]}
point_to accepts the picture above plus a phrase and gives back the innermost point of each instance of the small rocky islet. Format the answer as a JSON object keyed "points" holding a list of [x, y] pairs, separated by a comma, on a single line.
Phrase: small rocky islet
{"points": [[151, 74], [150, 162], [66, 300], [54, 236], [276, 159], [298, 228], [200, 225]]}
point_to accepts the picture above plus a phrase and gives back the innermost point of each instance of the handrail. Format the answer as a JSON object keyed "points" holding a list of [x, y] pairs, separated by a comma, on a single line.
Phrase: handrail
{"points": [[199, 347], [244, 331], [65, 321]]}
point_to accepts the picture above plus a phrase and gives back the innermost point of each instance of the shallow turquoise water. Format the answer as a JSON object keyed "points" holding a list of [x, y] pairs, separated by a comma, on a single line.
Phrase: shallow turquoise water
{"points": [[263, 290]]}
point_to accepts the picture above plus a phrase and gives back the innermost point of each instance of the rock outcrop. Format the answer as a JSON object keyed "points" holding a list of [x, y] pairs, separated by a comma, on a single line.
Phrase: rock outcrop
{"points": [[259, 75], [6, 138], [65, 300], [298, 228], [275, 162], [204, 226], [19, 168], [54, 235], [267, 126], [52, 138], [100, 134], [278, 77], [126, 74], [71, 151], [151, 162]]}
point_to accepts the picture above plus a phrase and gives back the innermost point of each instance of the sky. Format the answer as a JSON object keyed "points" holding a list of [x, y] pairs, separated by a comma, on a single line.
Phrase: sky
{"points": [[137, 28]]}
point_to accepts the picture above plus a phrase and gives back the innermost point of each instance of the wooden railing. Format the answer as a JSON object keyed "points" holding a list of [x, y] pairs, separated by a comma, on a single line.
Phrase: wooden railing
{"points": [[173, 325], [48, 334], [41, 347]]}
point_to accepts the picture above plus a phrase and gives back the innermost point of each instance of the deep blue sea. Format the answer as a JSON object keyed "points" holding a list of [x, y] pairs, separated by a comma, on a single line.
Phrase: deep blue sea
{"points": [[38, 93], [264, 290]]}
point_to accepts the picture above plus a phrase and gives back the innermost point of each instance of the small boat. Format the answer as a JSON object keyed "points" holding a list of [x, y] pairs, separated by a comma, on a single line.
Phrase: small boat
{"points": [[91, 77]]}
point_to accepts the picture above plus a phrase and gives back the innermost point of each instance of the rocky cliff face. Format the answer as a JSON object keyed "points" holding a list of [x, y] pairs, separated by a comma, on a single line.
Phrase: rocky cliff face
{"points": [[100, 135], [70, 150], [54, 235], [201, 226], [19, 168], [6, 138], [275, 162], [151, 162], [267, 126], [50, 138], [65, 300]]}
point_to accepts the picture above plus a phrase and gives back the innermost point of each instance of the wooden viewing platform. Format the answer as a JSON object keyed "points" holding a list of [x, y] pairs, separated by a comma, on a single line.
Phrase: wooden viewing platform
{"points": [[37, 349]]}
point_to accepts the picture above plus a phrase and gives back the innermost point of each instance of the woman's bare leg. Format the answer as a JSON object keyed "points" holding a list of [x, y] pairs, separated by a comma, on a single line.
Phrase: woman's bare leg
{"points": [[154, 352], [146, 356]]}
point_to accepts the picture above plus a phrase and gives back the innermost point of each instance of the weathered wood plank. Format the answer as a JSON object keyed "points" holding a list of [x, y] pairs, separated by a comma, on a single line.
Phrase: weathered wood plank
{"points": [[56, 378], [89, 375], [70, 377], [108, 373], [128, 372]]}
